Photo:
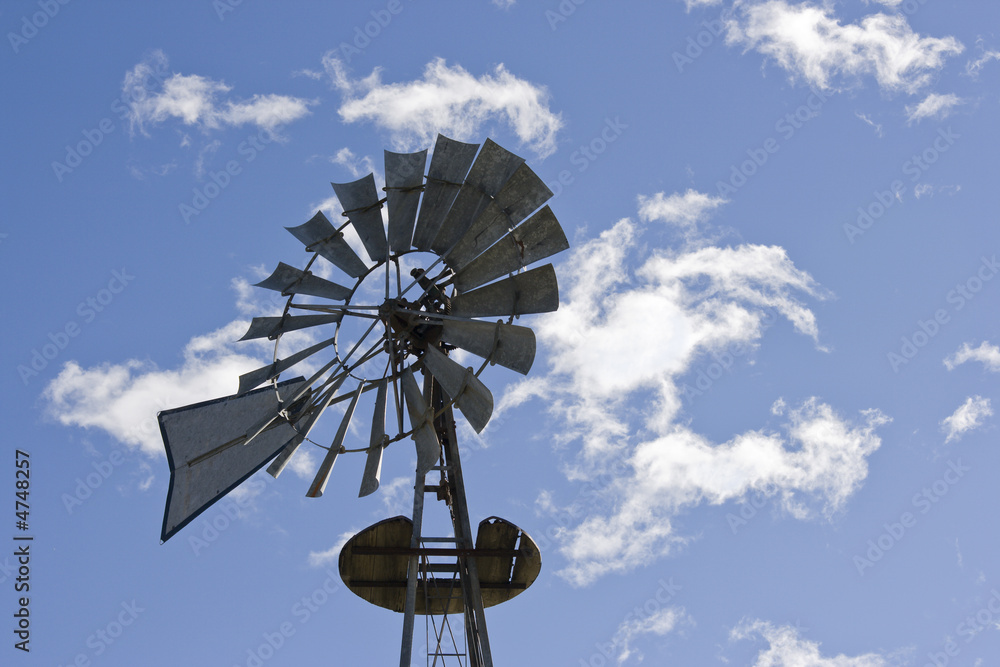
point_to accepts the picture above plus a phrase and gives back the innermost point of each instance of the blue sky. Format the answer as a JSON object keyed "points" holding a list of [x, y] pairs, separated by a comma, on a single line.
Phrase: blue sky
{"points": [[758, 431]]}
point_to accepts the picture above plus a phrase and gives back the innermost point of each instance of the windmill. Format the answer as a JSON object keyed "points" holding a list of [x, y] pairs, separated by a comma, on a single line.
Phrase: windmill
{"points": [[450, 271]]}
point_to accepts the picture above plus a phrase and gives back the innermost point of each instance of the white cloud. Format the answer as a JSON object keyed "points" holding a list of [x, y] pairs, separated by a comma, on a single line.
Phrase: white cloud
{"points": [[199, 101], [620, 347], [809, 42], [933, 106], [986, 354], [682, 210], [331, 555], [122, 399], [358, 167], [821, 460], [660, 623], [787, 649], [449, 100], [504, 4], [968, 416]]}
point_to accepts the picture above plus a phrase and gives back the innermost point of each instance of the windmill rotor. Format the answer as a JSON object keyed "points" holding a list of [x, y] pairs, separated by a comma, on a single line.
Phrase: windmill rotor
{"points": [[449, 267]]}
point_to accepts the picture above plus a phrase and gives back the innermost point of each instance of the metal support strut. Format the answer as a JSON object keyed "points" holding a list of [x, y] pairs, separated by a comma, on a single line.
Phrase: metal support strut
{"points": [[476, 636]]}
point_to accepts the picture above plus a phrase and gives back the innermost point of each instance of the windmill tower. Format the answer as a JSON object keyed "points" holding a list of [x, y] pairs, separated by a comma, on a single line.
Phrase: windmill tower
{"points": [[452, 277]]}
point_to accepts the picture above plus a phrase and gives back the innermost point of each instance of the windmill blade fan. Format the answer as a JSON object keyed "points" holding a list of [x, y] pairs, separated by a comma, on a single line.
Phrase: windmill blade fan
{"points": [[469, 230]]}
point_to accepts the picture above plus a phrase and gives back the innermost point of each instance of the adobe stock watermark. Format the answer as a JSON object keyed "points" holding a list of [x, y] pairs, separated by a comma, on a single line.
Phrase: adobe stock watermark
{"points": [[302, 611], [984, 618], [370, 31], [914, 167], [757, 157], [923, 501], [105, 637], [562, 12], [223, 7], [749, 508], [696, 44], [87, 311], [606, 653], [202, 196], [37, 21], [226, 512], [587, 153], [963, 293], [94, 137], [85, 486]]}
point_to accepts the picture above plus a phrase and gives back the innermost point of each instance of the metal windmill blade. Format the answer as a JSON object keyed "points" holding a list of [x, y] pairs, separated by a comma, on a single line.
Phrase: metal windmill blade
{"points": [[449, 270]]}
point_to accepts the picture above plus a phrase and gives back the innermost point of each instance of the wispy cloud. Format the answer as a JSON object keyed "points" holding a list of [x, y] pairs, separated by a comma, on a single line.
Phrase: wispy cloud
{"points": [[809, 42], [786, 647], [200, 101], [869, 121], [974, 67], [933, 106], [684, 211], [986, 354], [659, 623], [968, 416], [450, 100]]}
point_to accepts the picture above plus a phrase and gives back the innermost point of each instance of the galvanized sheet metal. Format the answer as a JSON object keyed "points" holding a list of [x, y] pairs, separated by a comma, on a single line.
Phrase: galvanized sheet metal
{"points": [[540, 236], [492, 169], [470, 394], [509, 345], [290, 280], [270, 327], [193, 432], [361, 205], [404, 174], [521, 195], [449, 165], [426, 440], [534, 291], [319, 235], [373, 462], [318, 486], [257, 377]]}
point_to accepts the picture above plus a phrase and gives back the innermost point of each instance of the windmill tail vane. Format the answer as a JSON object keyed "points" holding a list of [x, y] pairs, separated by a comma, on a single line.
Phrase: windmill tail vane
{"points": [[447, 270]]}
